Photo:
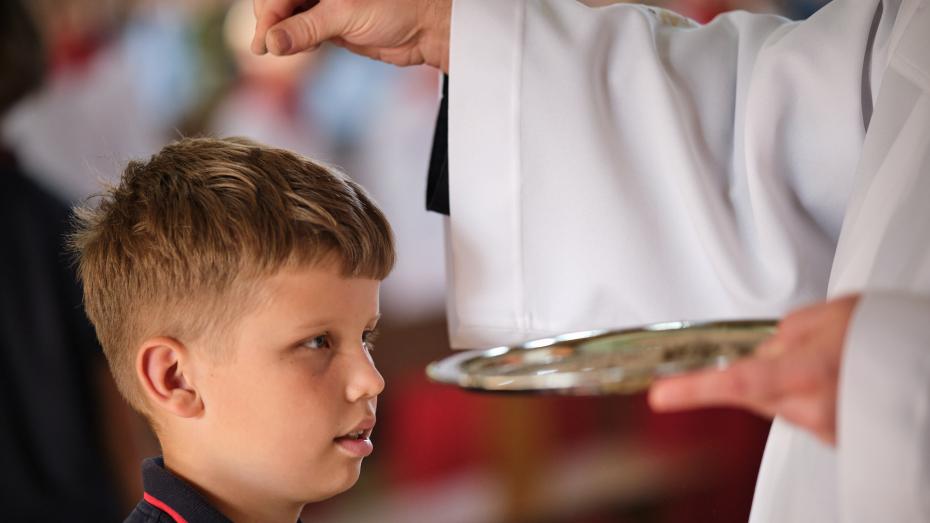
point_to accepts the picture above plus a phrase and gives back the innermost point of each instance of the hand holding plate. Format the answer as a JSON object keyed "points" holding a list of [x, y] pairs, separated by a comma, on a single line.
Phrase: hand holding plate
{"points": [[794, 374]]}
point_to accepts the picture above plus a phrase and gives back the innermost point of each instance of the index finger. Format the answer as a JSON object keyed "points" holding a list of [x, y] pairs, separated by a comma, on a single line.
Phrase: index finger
{"points": [[755, 383]]}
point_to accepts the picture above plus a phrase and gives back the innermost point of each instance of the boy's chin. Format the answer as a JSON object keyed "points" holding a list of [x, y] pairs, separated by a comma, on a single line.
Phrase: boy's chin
{"points": [[338, 484]]}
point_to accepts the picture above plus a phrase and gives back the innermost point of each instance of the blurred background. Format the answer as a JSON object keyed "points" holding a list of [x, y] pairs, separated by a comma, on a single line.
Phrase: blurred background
{"points": [[94, 83]]}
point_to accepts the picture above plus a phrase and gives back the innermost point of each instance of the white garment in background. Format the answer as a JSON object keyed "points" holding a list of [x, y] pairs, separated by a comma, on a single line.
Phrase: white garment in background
{"points": [[623, 165]]}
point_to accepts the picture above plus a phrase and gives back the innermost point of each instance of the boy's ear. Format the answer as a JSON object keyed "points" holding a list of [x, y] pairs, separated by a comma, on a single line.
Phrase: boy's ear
{"points": [[161, 363]]}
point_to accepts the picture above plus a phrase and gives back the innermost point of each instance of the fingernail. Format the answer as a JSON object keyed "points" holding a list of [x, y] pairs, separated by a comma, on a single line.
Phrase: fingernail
{"points": [[657, 398], [280, 41]]}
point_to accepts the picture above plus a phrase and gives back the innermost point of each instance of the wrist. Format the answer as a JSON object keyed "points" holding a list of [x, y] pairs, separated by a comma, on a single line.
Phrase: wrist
{"points": [[435, 33]]}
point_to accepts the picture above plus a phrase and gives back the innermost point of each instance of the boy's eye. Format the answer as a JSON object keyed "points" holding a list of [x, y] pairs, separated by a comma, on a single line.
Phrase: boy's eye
{"points": [[318, 342], [368, 339]]}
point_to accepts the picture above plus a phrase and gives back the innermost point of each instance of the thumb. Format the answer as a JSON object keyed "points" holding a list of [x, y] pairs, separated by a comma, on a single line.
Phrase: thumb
{"points": [[306, 30]]}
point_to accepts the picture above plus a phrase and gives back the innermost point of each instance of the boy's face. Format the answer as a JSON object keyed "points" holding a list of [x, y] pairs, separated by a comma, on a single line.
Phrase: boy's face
{"points": [[300, 380]]}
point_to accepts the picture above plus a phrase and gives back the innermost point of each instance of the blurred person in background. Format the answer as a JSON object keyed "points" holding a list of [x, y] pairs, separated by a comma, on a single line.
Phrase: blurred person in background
{"points": [[122, 78], [743, 167], [64, 432]]}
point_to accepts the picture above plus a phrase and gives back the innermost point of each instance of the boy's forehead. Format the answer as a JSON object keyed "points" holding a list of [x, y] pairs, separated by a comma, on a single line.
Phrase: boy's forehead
{"points": [[316, 287]]}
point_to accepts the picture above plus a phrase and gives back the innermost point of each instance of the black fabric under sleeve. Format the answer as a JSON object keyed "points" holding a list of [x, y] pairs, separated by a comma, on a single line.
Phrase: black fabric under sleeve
{"points": [[437, 183]]}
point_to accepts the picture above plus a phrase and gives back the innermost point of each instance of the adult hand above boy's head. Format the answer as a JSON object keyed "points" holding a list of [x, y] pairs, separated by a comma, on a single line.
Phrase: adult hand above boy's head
{"points": [[795, 374], [400, 32]]}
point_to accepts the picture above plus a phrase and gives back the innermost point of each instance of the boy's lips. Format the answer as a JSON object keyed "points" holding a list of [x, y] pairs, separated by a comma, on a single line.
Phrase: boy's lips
{"points": [[357, 441]]}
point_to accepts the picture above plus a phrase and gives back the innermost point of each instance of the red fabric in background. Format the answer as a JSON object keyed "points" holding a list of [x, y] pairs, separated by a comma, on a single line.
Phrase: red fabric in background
{"points": [[430, 432]]}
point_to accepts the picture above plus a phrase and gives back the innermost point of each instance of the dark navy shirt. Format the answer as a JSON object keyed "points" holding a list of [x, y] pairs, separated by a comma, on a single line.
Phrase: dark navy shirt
{"points": [[169, 499]]}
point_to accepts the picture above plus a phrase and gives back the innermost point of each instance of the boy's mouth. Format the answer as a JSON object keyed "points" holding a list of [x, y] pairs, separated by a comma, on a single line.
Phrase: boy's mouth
{"points": [[361, 434], [360, 431], [356, 442]]}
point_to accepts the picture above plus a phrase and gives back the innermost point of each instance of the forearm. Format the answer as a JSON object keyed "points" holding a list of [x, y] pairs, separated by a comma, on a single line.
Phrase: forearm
{"points": [[436, 30], [621, 141]]}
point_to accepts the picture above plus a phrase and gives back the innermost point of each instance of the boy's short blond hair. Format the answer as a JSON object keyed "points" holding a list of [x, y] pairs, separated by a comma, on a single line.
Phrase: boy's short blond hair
{"points": [[175, 249]]}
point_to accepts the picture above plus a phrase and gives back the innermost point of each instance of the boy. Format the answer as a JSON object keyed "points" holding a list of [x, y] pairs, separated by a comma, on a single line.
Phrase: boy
{"points": [[234, 288]]}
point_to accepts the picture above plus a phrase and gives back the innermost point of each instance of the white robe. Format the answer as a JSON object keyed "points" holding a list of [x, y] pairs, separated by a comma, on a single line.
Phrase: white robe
{"points": [[622, 165]]}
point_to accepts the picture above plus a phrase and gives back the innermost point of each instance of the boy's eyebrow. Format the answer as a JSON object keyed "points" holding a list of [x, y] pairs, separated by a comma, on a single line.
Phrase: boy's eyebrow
{"points": [[312, 324]]}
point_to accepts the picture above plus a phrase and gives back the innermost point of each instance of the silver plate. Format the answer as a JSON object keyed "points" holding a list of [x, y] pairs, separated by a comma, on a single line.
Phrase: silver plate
{"points": [[603, 362]]}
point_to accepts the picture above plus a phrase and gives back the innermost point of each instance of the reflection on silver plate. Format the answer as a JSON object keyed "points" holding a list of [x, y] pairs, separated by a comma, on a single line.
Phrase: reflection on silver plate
{"points": [[603, 362]]}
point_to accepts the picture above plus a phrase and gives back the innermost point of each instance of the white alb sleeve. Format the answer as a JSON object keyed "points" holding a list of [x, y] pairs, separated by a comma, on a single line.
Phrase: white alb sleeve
{"points": [[622, 165], [883, 435]]}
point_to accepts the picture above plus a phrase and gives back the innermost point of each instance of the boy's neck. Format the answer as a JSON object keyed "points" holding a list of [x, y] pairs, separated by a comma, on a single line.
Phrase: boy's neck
{"points": [[234, 500]]}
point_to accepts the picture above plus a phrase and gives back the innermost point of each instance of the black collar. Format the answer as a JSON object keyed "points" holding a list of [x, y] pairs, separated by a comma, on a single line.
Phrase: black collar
{"points": [[174, 496]]}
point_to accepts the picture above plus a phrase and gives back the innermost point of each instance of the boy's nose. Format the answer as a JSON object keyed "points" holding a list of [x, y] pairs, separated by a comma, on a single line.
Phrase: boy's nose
{"points": [[364, 381]]}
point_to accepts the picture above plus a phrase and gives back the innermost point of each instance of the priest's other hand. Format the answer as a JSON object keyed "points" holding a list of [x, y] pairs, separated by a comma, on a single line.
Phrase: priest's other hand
{"points": [[400, 32], [794, 374]]}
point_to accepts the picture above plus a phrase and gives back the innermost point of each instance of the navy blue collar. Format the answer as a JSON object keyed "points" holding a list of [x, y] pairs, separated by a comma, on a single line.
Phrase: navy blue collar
{"points": [[172, 496], [175, 497]]}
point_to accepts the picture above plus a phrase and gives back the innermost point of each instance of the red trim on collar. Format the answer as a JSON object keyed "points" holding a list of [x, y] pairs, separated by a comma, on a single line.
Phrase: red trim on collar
{"points": [[152, 500]]}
